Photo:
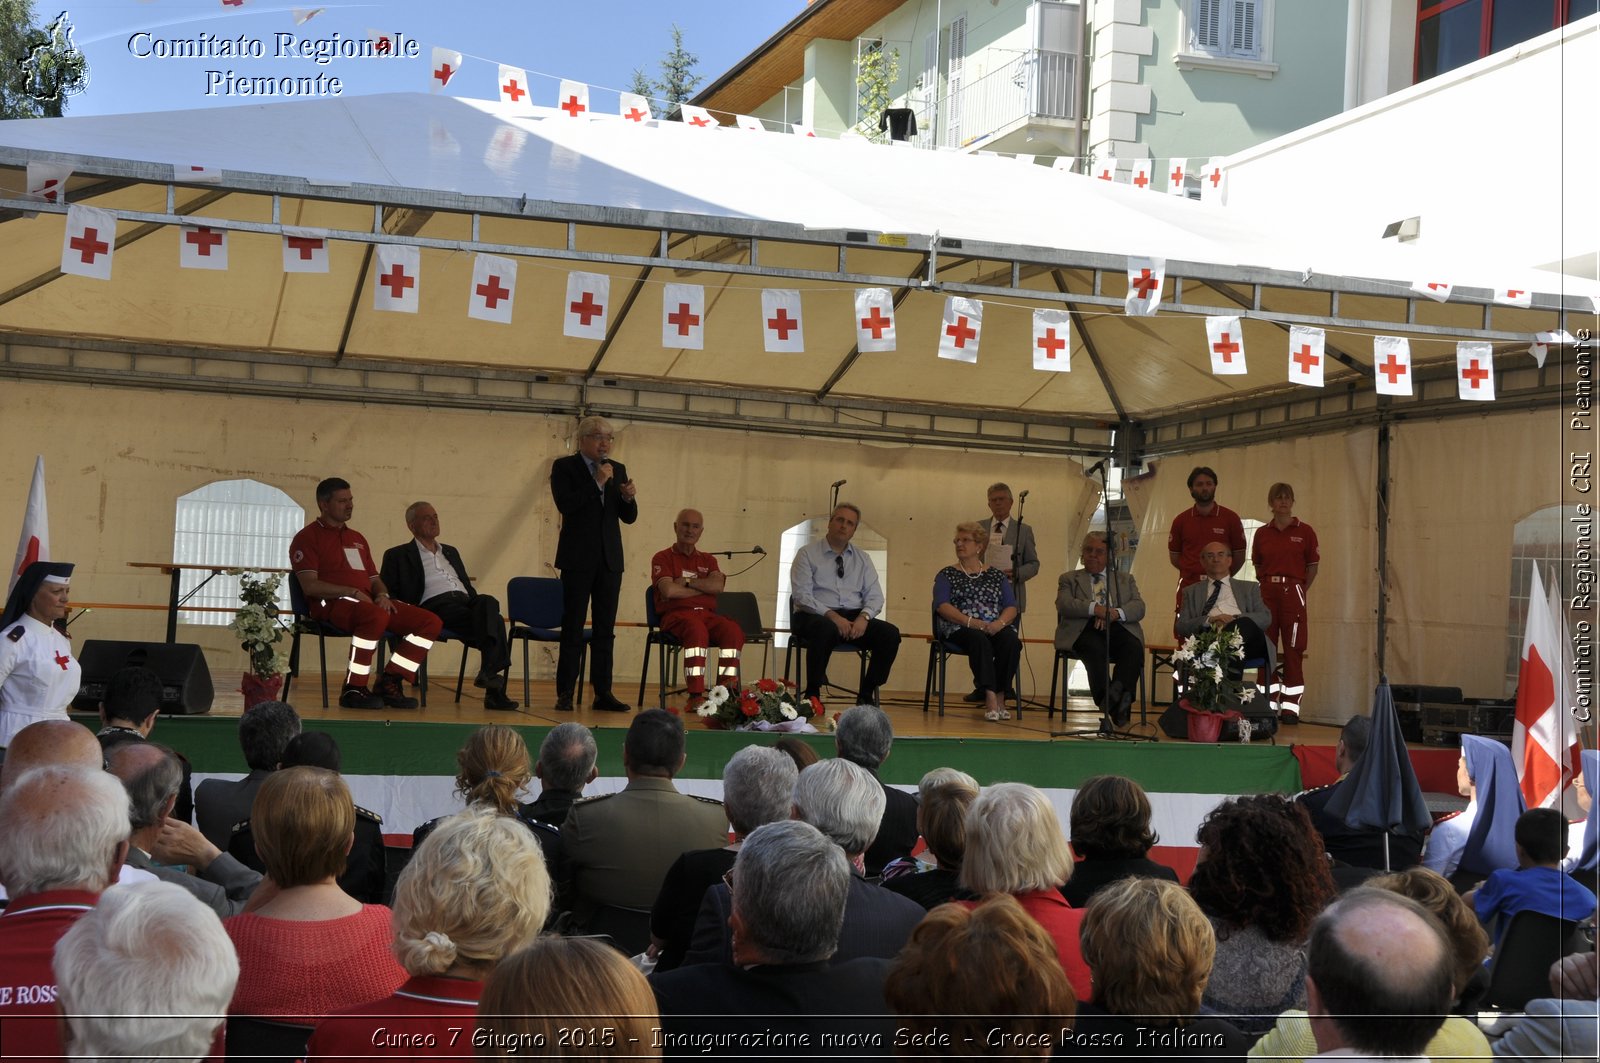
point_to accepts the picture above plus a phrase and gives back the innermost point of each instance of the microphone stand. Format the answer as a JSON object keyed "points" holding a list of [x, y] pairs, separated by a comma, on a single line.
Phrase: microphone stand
{"points": [[1016, 589]]}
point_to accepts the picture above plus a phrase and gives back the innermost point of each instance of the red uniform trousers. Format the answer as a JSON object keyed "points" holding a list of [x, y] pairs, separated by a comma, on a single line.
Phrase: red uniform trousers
{"points": [[699, 630], [1285, 598], [368, 622]]}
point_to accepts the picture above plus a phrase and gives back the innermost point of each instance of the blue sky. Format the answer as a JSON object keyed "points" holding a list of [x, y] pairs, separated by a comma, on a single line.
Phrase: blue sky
{"points": [[599, 42]]}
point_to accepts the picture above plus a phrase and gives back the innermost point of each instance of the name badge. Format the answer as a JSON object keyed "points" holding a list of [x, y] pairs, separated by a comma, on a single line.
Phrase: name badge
{"points": [[352, 557]]}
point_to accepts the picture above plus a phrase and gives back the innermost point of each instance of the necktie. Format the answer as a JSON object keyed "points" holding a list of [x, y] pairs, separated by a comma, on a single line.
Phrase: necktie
{"points": [[1000, 527], [1100, 587], [1216, 592]]}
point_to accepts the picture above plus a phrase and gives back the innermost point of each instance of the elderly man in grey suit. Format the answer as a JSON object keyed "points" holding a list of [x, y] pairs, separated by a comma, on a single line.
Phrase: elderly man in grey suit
{"points": [[1221, 601], [1097, 621]]}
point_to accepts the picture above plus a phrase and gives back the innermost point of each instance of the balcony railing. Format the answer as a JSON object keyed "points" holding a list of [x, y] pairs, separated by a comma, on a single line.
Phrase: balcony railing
{"points": [[1036, 84]]}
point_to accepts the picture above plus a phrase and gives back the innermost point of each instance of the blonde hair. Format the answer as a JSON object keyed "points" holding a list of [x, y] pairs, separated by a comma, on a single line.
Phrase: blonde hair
{"points": [[493, 767], [979, 533], [534, 995], [304, 822], [1469, 944], [1014, 842], [1149, 947]]}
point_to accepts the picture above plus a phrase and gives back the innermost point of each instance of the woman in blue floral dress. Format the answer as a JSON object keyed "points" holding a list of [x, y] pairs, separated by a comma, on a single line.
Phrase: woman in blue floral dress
{"points": [[975, 610]]}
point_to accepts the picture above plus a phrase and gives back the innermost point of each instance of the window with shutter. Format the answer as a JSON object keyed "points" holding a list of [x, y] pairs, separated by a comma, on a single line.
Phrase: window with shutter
{"points": [[1233, 35]]}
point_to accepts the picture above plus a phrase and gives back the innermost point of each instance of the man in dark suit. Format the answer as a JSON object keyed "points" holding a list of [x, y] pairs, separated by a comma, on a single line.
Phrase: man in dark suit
{"points": [[864, 737], [428, 573], [1220, 601], [129, 712], [595, 498], [1355, 847], [264, 731], [1088, 602]]}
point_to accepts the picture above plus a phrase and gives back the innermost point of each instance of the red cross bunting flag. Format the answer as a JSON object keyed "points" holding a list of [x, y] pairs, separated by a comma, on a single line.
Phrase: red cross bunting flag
{"points": [[1141, 174], [1543, 341], [1513, 297], [780, 321], [1225, 336], [382, 43], [958, 332], [1306, 355], [302, 15], [446, 65], [572, 100], [1475, 372], [202, 247], [513, 83], [305, 250], [803, 130], [1177, 170], [189, 173], [1104, 169], [683, 313], [874, 320], [588, 300], [1144, 285], [698, 117], [1065, 164], [1214, 183], [89, 242], [48, 181], [494, 288], [1052, 341], [399, 273], [1438, 291], [1391, 361], [634, 107], [749, 123]]}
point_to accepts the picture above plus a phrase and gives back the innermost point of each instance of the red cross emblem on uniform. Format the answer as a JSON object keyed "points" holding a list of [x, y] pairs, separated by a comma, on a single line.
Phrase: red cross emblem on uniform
{"points": [[63, 660]]}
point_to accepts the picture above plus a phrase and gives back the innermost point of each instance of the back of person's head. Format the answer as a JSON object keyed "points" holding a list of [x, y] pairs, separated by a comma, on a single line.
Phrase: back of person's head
{"points": [[1149, 947], [843, 801], [655, 743], [1379, 966], [1468, 941], [50, 743], [942, 820], [1110, 819], [312, 749], [757, 788], [304, 821], [1262, 864], [1542, 836], [1355, 734], [133, 694], [940, 776], [567, 757], [151, 773], [146, 973], [1014, 842], [781, 923], [62, 828], [475, 890], [863, 736], [543, 993], [798, 750], [264, 731], [973, 973], [492, 768]]}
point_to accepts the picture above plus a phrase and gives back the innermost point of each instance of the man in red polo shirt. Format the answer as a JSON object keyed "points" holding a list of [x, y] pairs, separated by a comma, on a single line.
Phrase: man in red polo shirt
{"points": [[1204, 522], [687, 584], [334, 566], [1285, 555]]}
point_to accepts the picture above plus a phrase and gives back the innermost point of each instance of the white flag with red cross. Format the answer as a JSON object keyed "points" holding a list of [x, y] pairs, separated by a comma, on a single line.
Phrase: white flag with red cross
{"points": [[34, 542], [305, 250], [1391, 364], [698, 117], [494, 288], [398, 278], [749, 123], [446, 65], [1544, 740], [572, 100], [302, 15], [48, 181], [1306, 355], [780, 321], [1145, 277], [513, 83], [874, 320], [1177, 170], [383, 43], [683, 316], [89, 242], [1214, 183], [202, 247], [1065, 163], [1142, 169], [588, 302], [634, 107], [1225, 337], [1052, 341], [196, 175], [958, 331], [1438, 291], [1543, 341], [1475, 372], [1104, 169], [1513, 297]]}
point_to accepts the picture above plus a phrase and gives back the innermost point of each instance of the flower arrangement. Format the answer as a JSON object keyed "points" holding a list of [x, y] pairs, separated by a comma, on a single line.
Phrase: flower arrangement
{"points": [[1207, 684], [767, 704], [256, 622]]}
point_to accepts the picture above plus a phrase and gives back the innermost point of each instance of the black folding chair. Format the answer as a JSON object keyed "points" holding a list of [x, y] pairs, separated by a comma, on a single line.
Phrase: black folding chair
{"points": [[534, 607], [669, 649]]}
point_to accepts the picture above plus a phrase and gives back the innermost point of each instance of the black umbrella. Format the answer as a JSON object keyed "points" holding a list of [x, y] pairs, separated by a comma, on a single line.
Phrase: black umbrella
{"points": [[1382, 790]]}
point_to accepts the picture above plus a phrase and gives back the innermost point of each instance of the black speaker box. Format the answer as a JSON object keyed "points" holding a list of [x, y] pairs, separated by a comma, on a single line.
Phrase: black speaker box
{"points": [[1416, 693], [185, 680]]}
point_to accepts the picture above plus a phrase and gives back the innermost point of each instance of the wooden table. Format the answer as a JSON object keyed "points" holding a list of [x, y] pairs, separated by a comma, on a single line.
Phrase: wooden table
{"points": [[176, 570]]}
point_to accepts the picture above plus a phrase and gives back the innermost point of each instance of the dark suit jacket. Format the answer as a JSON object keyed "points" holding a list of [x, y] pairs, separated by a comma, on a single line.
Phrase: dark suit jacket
{"points": [[1191, 618], [1075, 605], [365, 869], [877, 924], [1027, 561], [591, 537], [402, 571], [224, 887], [897, 831], [220, 804], [1361, 847]]}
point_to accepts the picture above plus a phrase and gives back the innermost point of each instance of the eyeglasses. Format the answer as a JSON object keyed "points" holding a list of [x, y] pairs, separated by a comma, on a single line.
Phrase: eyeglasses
{"points": [[727, 879], [838, 565]]}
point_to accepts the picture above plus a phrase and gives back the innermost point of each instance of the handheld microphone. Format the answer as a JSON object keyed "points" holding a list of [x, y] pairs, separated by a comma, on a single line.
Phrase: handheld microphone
{"points": [[757, 550], [837, 484], [1098, 466]]}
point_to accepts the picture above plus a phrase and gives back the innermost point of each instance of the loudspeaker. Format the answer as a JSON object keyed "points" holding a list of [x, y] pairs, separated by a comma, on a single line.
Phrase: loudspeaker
{"points": [[185, 679]]}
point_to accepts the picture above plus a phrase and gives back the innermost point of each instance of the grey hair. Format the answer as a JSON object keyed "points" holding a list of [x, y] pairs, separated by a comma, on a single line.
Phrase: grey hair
{"points": [[1001, 486], [591, 424], [940, 776], [789, 888], [758, 787], [843, 801], [1014, 842], [62, 829], [567, 756], [411, 510], [264, 731], [864, 735], [147, 973], [151, 773]]}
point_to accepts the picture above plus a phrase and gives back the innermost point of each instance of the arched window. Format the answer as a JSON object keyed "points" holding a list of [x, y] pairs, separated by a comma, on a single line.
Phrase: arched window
{"points": [[875, 546], [236, 523]]}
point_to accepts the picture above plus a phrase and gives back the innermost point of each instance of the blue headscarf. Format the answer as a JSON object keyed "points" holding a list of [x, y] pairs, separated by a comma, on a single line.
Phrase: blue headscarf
{"points": [[1491, 841], [1588, 857]]}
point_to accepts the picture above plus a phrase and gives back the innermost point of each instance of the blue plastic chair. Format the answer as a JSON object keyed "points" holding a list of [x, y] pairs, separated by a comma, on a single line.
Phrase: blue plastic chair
{"points": [[534, 607]]}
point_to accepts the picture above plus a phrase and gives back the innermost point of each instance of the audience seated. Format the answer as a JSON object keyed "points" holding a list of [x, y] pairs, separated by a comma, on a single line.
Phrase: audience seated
{"points": [[864, 737], [1111, 837], [1466, 847], [564, 998], [942, 821], [910, 865], [1356, 847], [757, 789], [474, 892], [1538, 883], [1261, 879], [1583, 838], [1015, 845], [565, 766], [1564, 1026], [129, 713], [146, 973], [798, 750], [310, 949], [221, 803]]}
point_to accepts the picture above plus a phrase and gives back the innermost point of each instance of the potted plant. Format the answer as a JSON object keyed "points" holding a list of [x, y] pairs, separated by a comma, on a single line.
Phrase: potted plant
{"points": [[256, 624], [1212, 692]]}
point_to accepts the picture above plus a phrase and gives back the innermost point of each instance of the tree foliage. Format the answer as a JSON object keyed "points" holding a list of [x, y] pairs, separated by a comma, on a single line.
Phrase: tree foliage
{"points": [[40, 67], [677, 81]]}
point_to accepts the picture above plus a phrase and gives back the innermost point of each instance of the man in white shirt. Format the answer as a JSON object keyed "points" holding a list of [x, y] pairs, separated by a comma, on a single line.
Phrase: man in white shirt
{"points": [[1221, 601], [835, 595]]}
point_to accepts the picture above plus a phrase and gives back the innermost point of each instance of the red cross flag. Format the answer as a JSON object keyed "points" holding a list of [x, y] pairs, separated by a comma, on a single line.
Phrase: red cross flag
{"points": [[513, 83], [683, 317], [1543, 341], [1306, 355], [1052, 341], [698, 117], [1513, 297], [1475, 372], [1544, 740], [196, 175], [803, 130], [780, 321], [494, 288], [399, 274], [749, 124], [202, 247], [446, 65], [1141, 174], [588, 300], [1064, 163], [1438, 291], [1104, 169], [48, 181], [302, 15], [958, 332], [1225, 337], [1214, 183], [874, 320], [305, 250], [382, 43], [1391, 362], [634, 107], [89, 242], [573, 99], [1177, 170], [34, 542], [1144, 285]]}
